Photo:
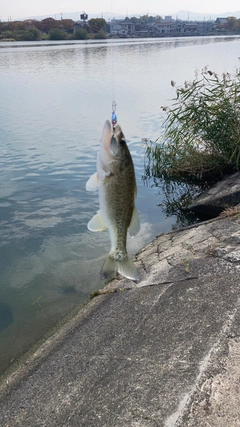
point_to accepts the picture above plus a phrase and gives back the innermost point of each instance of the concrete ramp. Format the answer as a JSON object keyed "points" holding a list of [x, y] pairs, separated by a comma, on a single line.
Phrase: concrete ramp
{"points": [[163, 352]]}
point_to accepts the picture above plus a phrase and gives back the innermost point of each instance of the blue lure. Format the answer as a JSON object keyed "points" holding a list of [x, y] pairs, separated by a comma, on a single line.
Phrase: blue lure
{"points": [[114, 115]]}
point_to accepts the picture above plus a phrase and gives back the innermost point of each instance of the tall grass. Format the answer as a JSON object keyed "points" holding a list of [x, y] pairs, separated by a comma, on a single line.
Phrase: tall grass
{"points": [[201, 137]]}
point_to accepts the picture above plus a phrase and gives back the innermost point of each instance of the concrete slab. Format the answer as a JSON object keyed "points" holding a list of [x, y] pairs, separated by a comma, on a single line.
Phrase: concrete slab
{"points": [[162, 352]]}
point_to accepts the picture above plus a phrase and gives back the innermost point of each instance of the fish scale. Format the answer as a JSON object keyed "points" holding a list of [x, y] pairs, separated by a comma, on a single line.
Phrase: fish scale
{"points": [[115, 180]]}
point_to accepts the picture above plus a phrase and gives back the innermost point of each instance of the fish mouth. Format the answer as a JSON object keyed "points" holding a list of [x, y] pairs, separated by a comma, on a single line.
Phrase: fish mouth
{"points": [[114, 145], [117, 140], [112, 136]]}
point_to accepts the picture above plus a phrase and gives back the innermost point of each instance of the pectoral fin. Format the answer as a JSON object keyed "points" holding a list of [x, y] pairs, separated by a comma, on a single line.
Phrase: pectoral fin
{"points": [[93, 183], [96, 223], [134, 226]]}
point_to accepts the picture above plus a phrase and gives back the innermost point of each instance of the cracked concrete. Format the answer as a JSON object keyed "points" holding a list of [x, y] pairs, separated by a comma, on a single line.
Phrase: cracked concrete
{"points": [[163, 352]]}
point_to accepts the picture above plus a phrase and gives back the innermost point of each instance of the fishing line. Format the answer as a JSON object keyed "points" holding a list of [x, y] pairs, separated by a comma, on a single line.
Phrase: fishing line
{"points": [[114, 104]]}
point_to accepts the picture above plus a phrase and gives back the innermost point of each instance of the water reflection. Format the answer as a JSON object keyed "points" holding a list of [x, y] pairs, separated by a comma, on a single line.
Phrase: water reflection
{"points": [[167, 41], [175, 197]]}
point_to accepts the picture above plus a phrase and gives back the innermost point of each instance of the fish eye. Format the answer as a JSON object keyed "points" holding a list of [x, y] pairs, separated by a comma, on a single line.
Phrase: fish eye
{"points": [[122, 141]]}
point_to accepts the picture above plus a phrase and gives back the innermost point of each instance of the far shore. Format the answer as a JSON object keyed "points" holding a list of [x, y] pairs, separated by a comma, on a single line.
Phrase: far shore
{"points": [[91, 37]]}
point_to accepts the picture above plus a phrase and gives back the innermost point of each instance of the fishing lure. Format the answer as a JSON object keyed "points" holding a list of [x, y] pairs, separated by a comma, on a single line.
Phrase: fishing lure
{"points": [[114, 115]]}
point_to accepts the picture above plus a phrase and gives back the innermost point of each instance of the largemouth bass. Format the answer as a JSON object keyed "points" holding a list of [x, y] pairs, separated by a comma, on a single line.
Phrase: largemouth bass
{"points": [[115, 180]]}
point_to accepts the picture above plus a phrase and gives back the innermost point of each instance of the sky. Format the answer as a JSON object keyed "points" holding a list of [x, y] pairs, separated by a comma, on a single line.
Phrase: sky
{"points": [[19, 9]]}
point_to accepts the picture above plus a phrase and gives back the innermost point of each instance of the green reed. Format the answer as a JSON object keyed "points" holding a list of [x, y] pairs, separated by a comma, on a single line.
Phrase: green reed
{"points": [[201, 137]]}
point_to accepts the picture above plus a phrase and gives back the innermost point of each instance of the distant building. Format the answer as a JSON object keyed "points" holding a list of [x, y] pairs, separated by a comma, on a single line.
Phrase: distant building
{"points": [[206, 27], [122, 27], [117, 30], [221, 21], [190, 28], [128, 26], [142, 30], [166, 27], [163, 28], [221, 24]]}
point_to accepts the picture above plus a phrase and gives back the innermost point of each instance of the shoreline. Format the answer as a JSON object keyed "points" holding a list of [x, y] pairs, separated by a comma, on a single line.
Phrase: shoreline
{"points": [[46, 42], [223, 194]]}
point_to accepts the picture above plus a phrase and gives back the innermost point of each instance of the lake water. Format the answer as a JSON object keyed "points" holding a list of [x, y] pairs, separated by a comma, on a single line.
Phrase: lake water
{"points": [[55, 98]]}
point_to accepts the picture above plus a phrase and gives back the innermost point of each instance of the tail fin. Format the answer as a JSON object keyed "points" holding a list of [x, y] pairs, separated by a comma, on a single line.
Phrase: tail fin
{"points": [[126, 268]]}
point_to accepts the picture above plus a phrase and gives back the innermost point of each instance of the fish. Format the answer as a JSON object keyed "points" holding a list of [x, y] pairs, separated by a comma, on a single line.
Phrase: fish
{"points": [[115, 180]]}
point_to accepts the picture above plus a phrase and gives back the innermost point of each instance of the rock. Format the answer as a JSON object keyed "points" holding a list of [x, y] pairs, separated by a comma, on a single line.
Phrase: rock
{"points": [[222, 195]]}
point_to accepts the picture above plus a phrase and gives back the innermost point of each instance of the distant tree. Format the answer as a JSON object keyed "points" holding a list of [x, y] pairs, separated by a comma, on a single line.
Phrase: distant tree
{"points": [[157, 18], [48, 24], [32, 34], [233, 23], [96, 24], [57, 34], [34, 23], [20, 26], [80, 34], [20, 30], [151, 19], [100, 35], [144, 19], [8, 34], [11, 25], [66, 25]]}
